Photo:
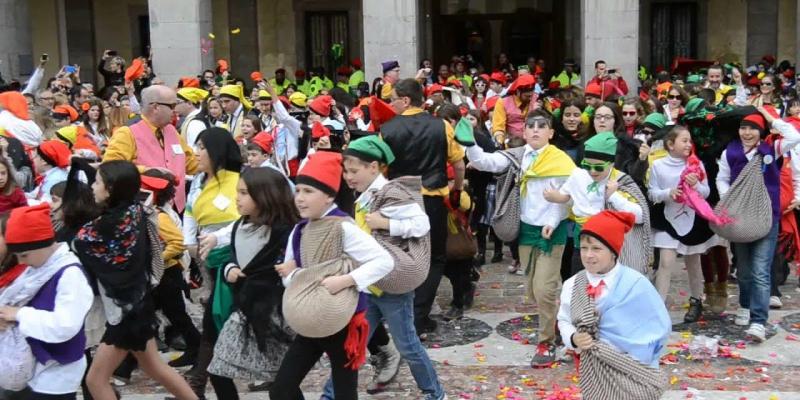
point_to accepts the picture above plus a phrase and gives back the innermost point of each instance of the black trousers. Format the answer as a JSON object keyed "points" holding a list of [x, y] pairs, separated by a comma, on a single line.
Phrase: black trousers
{"points": [[379, 338], [459, 273], [301, 357], [426, 293], [169, 298], [224, 387]]}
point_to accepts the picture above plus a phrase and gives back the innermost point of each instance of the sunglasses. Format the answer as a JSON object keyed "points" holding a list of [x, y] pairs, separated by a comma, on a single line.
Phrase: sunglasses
{"points": [[766, 83], [595, 167], [538, 123], [674, 97], [629, 113], [171, 106]]}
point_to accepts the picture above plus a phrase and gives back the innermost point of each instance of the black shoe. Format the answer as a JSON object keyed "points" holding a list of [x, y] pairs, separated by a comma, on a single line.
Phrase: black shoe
{"points": [[695, 310], [453, 313], [261, 387], [426, 325], [479, 260], [469, 297], [497, 257], [184, 360]]}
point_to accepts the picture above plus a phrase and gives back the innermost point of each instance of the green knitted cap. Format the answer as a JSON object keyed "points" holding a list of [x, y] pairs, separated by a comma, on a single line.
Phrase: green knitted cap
{"points": [[658, 120], [694, 78], [370, 148], [602, 146], [694, 105]]}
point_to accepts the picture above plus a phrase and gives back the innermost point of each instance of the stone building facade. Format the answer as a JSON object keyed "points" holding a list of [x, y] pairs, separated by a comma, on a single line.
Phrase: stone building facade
{"points": [[267, 34]]}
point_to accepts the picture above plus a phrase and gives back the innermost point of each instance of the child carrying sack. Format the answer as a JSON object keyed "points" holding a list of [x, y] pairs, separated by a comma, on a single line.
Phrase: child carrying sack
{"points": [[308, 307], [747, 202], [411, 256], [506, 217], [17, 361]]}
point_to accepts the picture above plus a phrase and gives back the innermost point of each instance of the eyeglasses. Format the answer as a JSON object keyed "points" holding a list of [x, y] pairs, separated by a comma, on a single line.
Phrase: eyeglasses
{"points": [[171, 106], [766, 83], [629, 113], [595, 167], [674, 97], [604, 117]]}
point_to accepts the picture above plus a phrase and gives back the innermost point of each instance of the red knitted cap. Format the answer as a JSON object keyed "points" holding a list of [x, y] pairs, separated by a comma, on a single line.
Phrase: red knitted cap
{"points": [[29, 228], [323, 170], [610, 228], [321, 105]]}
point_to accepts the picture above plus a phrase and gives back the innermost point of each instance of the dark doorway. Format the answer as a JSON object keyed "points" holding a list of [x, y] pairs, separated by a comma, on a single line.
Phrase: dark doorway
{"points": [[674, 32], [324, 29]]}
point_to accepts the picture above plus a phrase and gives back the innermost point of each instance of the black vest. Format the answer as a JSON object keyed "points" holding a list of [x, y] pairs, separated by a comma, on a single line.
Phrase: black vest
{"points": [[419, 143]]}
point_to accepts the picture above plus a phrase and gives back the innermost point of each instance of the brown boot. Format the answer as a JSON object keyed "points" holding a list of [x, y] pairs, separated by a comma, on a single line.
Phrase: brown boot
{"points": [[197, 377], [720, 300], [711, 293]]}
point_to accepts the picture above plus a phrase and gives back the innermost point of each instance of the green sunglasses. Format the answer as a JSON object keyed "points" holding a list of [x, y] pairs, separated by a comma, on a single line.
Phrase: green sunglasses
{"points": [[595, 167]]}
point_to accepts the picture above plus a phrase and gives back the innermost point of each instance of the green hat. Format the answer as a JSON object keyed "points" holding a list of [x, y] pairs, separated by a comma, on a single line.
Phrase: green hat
{"points": [[656, 120], [463, 132], [602, 146], [694, 78], [694, 105], [370, 148]]}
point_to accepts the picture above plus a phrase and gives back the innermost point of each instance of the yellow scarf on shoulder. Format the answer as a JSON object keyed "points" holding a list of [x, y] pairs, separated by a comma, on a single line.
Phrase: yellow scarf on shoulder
{"points": [[219, 191], [552, 162]]}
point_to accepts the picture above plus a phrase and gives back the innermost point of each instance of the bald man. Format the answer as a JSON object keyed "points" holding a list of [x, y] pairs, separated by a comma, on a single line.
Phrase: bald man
{"points": [[154, 143]]}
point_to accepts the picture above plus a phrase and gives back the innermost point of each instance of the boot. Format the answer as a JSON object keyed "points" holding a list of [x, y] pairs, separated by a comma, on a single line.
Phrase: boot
{"points": [[197, 377], [695, 310], [387, 365], [720, 302], [710, 289]]}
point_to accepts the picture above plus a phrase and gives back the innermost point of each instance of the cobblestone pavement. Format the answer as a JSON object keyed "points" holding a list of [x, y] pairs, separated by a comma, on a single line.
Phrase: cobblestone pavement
{"points": [[486, 355]]}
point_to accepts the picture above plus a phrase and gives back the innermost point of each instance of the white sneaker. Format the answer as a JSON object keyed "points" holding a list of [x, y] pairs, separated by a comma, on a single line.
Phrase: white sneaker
{"points": [[775, 302], [742, 317], [756, 332]]}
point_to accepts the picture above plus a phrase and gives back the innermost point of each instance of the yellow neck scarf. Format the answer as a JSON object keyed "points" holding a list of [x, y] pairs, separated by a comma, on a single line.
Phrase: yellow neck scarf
{"points": [[216, 203], [551, 162]]}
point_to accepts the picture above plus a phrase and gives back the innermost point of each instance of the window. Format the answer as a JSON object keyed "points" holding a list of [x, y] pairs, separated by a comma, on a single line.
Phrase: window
{"points": [[325, 29], [673, 32]]}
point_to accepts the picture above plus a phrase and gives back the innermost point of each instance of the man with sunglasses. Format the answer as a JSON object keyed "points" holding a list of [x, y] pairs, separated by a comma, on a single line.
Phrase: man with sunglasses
{"points": [[153, 142], [543, 225]]}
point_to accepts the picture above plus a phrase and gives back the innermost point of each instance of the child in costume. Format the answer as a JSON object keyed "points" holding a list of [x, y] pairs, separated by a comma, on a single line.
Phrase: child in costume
{"points": [[543, 228], [46, 304], [392, 212], [121, 250], [459, 270], [253, 340], [330, 264], [677, 229], [51, 162], [613, 317], [597, 185], [754, 259]]}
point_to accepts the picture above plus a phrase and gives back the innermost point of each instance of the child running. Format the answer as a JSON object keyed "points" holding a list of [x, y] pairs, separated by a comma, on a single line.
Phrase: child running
{"points": [[330, 264]]}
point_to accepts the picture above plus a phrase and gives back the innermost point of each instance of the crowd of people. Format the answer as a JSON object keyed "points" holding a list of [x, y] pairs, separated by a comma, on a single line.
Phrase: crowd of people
{"points": [[318, 216]]}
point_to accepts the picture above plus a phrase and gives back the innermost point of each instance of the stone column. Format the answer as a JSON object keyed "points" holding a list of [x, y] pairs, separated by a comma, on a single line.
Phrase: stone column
{"points": [[176, 27], [611, 33], [390, 33], [16, 61]]}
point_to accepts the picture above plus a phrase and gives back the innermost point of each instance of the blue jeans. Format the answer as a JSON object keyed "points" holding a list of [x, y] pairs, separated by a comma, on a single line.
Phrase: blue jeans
{"points": [[754, 264], [398, 312]]}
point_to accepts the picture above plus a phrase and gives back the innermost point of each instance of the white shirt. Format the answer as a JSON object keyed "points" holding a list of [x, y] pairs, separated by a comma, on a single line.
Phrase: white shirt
{"points": [[374, 262], [534, 209], [585, 204], [73, 300], [193, 129], [665, 174], [790, 139], [564, 317], [406, 221]]}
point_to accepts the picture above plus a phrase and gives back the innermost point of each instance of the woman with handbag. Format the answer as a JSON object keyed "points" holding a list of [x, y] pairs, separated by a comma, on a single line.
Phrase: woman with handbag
{"points": [[747, 167]]}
